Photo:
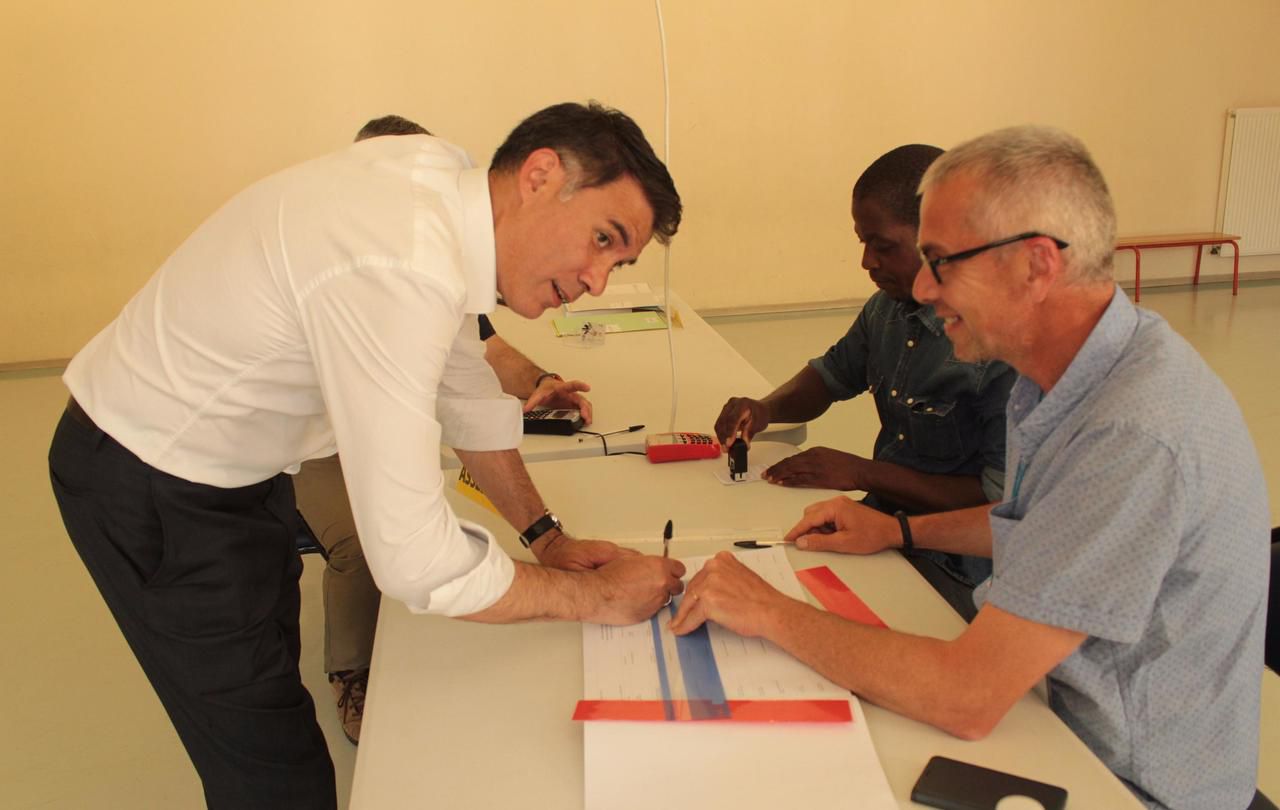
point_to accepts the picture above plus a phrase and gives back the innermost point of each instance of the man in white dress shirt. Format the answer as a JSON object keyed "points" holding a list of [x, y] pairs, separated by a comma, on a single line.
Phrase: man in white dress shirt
{"points": [[322, 310], [351, 597]]}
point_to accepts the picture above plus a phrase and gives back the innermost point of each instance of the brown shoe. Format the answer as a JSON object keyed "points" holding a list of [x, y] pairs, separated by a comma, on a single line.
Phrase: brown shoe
{"points": [[349, 687]]}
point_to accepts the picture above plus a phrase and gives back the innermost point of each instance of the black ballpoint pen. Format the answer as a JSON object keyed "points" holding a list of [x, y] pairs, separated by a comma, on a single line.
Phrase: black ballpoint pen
{"points": [[631, 429], [666, 540]]}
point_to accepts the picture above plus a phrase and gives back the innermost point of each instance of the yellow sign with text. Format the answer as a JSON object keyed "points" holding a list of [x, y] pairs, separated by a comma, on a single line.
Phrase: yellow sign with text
{"points": [[468, 486]]}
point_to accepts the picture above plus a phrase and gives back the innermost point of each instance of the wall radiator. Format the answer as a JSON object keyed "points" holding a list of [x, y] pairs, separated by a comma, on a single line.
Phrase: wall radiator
{"points": [[1249, 194]]}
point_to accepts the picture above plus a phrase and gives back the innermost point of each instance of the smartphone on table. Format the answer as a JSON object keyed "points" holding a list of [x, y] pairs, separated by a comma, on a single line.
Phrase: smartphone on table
{"points": [[953, 785]]}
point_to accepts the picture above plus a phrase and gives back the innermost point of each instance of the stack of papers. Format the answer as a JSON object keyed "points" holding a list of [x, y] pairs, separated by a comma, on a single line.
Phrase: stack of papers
{"points": [[618, 297], [710, 763], [622, 308]]}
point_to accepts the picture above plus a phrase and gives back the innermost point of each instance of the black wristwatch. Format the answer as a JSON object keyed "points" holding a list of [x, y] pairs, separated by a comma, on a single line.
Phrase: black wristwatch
{"points": [[908, 543], [540, 527]]}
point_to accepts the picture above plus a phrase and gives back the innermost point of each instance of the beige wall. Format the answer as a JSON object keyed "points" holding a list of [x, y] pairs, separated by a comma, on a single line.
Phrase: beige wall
{"points": [[126, 123]]}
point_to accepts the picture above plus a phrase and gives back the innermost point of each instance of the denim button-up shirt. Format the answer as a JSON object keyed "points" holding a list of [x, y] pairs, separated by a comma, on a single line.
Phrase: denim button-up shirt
{"points": [[937, 414]]}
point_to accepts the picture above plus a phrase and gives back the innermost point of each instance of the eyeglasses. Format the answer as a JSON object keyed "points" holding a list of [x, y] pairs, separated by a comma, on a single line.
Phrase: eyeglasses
{"points": [[934, 264]]}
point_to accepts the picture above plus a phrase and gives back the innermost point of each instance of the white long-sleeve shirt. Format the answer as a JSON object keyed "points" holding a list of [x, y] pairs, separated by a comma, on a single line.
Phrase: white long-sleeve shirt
{"points": [[327, 308]]}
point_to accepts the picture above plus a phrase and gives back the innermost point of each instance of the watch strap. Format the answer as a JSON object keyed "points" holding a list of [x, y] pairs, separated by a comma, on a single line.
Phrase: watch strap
{"points": [[538, 528], [907, 542], [544, 375]]}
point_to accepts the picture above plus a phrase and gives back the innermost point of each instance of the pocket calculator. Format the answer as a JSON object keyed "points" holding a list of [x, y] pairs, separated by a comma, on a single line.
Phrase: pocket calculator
{"points": [[554, 421], [660, 447]]}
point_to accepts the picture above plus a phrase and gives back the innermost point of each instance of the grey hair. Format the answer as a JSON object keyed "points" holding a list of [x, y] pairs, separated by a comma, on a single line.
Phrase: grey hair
{"points": [[572, 175], [1037, 179]]}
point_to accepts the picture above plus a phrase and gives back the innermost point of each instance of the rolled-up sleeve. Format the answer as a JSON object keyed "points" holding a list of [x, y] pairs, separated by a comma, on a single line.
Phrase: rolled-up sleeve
{"points": [[382, 339], [844, 366]]}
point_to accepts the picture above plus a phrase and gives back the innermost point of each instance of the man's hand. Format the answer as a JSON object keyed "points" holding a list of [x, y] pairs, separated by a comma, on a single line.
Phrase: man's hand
{"points": [[631, 589], [843, 525], [553, 393], [732, 595], [819, 468], [561, 551], [741, 415]]}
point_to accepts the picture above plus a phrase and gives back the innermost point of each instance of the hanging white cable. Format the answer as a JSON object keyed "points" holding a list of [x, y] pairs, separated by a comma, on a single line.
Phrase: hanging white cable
{"points": [[666, 249]]}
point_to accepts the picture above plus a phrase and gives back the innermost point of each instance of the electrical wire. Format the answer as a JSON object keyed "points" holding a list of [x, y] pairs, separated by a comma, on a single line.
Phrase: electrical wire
{"points": [[666, 249], [604, 441]]}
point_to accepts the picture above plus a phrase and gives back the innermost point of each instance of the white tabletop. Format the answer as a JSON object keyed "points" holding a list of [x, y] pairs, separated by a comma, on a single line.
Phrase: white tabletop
{"points": [[630, 378], [469, 716]]}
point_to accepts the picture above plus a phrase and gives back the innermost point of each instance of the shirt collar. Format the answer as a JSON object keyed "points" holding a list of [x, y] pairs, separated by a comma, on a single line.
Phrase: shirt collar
{"points": [[479, 263], [930, 319], [922, 313], [1091, 365], [1102, 349]]}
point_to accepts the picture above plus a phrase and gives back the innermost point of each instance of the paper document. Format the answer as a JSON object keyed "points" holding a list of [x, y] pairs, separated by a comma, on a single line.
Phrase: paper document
{"points": [[609, 322], [760, 456], [746, 766], [637, 295], [621, 663]]}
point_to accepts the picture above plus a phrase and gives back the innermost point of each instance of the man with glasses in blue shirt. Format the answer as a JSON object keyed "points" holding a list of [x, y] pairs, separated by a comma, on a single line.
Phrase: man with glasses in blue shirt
{"points": [[1130, 549]]}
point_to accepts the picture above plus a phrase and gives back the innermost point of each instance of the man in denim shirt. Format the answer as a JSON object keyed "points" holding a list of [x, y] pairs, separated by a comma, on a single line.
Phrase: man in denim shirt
{"points": [[942, 425]]}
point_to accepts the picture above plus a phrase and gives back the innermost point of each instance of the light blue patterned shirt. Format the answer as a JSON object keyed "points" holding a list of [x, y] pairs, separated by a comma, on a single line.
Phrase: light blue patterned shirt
{"points": [[1136, 512]]}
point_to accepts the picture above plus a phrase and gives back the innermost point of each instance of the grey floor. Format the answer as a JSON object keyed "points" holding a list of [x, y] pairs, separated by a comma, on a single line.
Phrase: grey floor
{"points": [[88, 732]]}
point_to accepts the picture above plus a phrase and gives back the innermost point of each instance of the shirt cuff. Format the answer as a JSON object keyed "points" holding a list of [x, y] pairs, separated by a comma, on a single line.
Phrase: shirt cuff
{"points": [[838, 389], [993, 484], [480, 424], [480, 587]]}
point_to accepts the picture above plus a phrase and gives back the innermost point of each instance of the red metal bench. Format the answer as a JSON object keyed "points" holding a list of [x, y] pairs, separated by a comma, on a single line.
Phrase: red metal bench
{"points": [[1196, 240]]}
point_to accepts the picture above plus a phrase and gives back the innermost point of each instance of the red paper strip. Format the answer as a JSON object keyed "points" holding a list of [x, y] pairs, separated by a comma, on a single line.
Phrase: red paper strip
{"points": [[836, 597], [740, 711]]}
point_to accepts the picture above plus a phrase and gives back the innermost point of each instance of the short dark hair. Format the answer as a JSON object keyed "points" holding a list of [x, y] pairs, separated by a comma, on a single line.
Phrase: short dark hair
{"points": [[603, 144], [894, 179], [390, 125]]}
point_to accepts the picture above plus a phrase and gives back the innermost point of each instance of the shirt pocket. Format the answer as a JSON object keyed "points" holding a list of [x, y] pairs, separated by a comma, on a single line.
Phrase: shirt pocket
{"points": [[875, 377], [935, 432]]}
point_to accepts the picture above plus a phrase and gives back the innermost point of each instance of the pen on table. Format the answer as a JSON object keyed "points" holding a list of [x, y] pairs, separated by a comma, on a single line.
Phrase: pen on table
{"points": [[631, 429], [826, 528], [758, 543], [666, 540]]}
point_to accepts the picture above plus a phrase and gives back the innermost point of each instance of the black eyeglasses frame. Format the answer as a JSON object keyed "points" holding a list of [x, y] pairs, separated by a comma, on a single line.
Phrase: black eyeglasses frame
{"points": [[962, 255]]}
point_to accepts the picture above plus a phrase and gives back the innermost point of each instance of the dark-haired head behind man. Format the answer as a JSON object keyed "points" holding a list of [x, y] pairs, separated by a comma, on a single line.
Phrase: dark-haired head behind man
{"points": [[390, 125], [941, 440], [341, 287]]}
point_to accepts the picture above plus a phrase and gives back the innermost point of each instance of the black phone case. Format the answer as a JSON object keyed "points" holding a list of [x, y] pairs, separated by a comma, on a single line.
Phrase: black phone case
{"points": [[953, 785]]}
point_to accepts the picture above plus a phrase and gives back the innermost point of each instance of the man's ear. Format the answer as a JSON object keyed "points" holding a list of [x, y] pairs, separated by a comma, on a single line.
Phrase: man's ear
{"points": [[541, 171], [1044, 267]]}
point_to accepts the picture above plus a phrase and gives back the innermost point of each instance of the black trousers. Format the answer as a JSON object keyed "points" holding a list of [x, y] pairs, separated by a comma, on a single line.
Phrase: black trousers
{"points": [[203, 582]]}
